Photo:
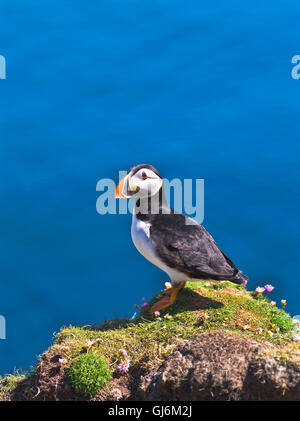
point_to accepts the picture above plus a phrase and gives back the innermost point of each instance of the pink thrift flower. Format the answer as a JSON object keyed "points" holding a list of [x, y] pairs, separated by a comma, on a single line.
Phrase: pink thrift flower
{"points": [[123, 352], [269, 287], [65, 348], [260, 290], [124, 366], [117, 394]]}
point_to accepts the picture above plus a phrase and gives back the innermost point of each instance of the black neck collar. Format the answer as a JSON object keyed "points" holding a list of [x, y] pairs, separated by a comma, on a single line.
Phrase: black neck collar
{"points": [[147, 207]]}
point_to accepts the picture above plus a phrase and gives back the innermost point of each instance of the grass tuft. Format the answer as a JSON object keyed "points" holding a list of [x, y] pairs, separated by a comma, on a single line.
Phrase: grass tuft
{"points": [[89, 374], [9, 382]]}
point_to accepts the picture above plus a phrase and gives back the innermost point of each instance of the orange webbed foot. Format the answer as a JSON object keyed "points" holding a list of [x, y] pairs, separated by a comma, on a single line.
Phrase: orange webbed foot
{"points": [[170, 296], [161, 304]]}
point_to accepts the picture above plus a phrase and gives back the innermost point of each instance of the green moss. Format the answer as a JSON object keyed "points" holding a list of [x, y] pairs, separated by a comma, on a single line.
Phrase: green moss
{"points": [[8, 383], [88, 374], [275, 316]]}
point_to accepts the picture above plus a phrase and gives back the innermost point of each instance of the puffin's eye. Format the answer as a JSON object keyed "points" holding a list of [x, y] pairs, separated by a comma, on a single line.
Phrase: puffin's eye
{"points": [[144, 175]]}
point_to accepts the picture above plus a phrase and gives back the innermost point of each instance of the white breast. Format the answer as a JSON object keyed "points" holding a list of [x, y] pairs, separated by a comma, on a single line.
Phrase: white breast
{"points": [[140, 234]]}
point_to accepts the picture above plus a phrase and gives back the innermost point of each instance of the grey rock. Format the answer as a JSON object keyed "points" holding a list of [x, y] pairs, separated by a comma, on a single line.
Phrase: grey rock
{"points": [[220, 366]]}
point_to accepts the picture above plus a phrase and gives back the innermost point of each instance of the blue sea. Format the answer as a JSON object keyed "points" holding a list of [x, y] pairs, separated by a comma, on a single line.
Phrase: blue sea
{"points": [[197, 89]]}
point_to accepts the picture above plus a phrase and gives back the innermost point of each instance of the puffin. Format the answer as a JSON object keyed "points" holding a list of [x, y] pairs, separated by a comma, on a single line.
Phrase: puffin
{"points": [[175, 243]]}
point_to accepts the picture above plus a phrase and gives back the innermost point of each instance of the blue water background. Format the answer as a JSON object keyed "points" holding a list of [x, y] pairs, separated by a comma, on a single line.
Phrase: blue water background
{"points": [[198, 89]]}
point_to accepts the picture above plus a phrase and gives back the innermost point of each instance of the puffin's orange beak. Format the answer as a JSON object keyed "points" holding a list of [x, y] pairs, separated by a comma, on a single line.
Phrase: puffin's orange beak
{"points": [[124, 187], [119, 190]]}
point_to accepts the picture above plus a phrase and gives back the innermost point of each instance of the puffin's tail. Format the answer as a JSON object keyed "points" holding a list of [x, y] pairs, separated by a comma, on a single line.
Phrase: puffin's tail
{"points": [[240, 278]]}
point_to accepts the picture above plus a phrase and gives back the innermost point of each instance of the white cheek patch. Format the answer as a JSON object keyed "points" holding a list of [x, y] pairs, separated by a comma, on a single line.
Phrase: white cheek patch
{"points": [[132, 185]]}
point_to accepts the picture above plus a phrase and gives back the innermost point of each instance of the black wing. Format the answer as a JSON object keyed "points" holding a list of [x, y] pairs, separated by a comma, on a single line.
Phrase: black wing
{"points": [[191, 249]]}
